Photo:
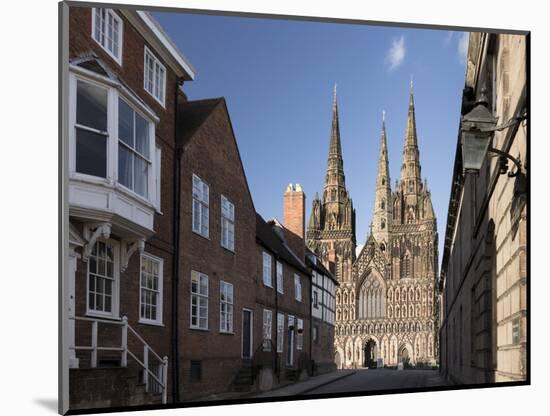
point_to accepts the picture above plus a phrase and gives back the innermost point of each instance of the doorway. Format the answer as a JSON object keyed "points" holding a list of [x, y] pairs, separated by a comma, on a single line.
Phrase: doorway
{"points": [[247, 334], [369, 354], [290, 345]]}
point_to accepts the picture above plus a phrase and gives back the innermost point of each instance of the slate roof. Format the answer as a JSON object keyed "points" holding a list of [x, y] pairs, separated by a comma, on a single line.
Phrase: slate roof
{"points": [[271, 241]]}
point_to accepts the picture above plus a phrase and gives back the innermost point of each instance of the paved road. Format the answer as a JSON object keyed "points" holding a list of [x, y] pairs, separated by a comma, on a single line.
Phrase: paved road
{"points": [[382, 379]]}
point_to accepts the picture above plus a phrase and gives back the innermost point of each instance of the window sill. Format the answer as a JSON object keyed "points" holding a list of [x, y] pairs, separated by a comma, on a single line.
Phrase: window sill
{"points": [[151, 323], [199, 329], [228, 249], [226, 333], [200, 235], [109, 317]]}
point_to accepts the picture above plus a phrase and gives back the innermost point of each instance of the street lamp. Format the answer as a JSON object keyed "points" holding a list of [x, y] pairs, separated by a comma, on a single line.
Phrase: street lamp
{"points": [[477, 130]]}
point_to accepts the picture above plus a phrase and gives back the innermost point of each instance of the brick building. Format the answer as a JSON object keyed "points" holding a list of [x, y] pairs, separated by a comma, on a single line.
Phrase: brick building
{"points": [[483, 281], [217, 242], [282, 341], [123, 76], [176, 288]]}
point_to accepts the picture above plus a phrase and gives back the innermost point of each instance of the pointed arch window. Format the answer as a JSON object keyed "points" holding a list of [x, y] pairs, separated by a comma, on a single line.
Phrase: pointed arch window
{"points": [[405, 266], [372, 299]]}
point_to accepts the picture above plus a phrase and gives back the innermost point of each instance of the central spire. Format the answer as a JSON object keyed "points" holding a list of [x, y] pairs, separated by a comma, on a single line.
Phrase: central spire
{"points": [[410, 168], [335, 165]]}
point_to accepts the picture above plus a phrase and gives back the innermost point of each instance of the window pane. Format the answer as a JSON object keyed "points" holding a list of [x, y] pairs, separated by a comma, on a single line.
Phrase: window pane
{"points": [[142, 136], [91, 106], [125, 123], [140, 176], [91, 153], [125, 166]]}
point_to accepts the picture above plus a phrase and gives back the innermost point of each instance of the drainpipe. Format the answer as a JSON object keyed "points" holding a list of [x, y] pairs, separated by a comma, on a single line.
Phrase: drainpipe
{"points": [[277, 319], [176, 255], [311, 325]]}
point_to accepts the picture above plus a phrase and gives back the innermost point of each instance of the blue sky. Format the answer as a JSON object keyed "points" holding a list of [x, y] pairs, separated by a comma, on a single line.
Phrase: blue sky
{"points": [[277, 77]]}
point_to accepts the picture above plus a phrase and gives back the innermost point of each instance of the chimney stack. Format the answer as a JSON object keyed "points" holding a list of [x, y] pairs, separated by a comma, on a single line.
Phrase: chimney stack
{"points": [[294, 217]]}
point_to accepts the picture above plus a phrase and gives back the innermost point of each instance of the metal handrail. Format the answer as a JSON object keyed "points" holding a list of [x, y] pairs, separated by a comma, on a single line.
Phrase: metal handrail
{"points": [[124, 350]]}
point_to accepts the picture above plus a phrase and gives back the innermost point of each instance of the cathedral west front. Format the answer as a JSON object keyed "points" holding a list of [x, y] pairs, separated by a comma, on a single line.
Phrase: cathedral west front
{"points": [[386, 311]]}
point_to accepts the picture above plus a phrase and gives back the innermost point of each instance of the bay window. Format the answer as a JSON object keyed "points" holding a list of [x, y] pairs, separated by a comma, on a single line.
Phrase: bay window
{"points": [[134, 159], [112, 141], [91, 129]]}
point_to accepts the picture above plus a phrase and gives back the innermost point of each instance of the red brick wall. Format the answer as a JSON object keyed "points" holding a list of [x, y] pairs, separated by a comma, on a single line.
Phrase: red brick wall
{"points": [[286, 303], [221, 169], [161, 244], [294, 221]]}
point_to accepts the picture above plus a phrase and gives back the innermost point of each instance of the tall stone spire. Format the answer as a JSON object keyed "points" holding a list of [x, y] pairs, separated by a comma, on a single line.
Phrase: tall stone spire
{"points": [[382, 202], [411, 183], [331, 228], [335, 180]]}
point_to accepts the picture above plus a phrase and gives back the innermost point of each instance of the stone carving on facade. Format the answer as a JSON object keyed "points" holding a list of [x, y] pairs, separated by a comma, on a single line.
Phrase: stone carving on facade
{"points": [[385, 304]]}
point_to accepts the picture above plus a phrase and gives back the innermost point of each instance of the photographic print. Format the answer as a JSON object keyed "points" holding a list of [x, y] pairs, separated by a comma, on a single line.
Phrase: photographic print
{"points": [[263, 208]]}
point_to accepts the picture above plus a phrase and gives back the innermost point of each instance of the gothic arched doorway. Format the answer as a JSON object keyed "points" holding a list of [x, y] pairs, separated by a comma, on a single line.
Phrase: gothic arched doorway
{"points": [[369, 354], [404, 356], [338, 360]]}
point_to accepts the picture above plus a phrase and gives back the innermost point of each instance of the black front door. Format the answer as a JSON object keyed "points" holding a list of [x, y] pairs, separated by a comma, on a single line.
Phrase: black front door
{"points": [[247, 333]]}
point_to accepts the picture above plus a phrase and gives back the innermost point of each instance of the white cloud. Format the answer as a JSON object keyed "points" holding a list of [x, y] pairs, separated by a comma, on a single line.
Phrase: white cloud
{"points": [[448, 38], [462, 47], [396, 53], [358, 249]]}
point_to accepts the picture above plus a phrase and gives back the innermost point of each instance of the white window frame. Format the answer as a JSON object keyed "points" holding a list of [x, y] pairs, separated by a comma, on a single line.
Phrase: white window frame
{"points": [[115, 16], [156, 62], [267, 260], [158, 178], [280, 277], [267, 329], [111, 178], [151, 169], [229, 305], [199, 275], [160, 291], [115, 291], [280, 332], [227, 223], [204, 205], [297, 287], [299, 335]]}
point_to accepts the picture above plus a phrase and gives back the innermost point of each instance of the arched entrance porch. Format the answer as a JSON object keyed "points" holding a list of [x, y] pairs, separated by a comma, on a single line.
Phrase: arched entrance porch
{"points": [[370, 353]]}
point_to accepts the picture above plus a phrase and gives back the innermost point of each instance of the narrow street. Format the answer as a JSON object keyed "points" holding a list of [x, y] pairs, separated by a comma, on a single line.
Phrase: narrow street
{"points": [[382, 379]]}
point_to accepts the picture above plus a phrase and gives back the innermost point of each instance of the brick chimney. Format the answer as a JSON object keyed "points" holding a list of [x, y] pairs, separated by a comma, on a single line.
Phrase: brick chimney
{"points": [[294, 218]]}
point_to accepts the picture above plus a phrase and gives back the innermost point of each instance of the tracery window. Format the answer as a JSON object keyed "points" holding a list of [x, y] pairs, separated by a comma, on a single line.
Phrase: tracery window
{"points": [[372, 299]]}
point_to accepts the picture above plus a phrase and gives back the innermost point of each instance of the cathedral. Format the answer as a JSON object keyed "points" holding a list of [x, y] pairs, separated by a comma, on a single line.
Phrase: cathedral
{"points": [[386, 312]]}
